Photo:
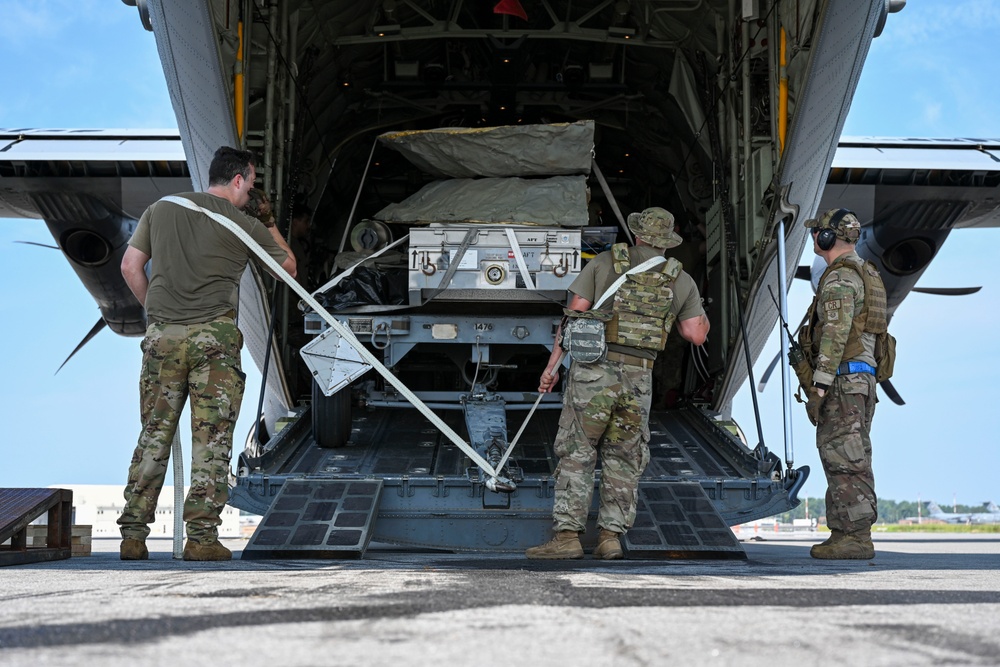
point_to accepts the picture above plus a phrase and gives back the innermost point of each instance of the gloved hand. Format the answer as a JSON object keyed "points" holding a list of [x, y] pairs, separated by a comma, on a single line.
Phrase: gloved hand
{"points": [[259, 206], [813, 405]]}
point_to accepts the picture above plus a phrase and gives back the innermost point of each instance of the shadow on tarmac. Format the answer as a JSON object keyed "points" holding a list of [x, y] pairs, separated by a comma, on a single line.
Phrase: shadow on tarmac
{"points": [[764, 558], [372, 589]]}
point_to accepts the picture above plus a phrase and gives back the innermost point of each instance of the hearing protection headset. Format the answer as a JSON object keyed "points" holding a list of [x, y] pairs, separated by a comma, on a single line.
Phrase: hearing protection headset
{"points": [[828, 235]]}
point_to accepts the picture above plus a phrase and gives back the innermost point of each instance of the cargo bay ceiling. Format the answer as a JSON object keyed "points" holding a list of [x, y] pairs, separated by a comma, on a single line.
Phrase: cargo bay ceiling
{"points": [[694, 109], [322, 78]]}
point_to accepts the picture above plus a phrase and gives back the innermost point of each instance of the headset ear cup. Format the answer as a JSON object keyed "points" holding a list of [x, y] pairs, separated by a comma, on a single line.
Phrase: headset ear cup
{"points": [[828, 235]]}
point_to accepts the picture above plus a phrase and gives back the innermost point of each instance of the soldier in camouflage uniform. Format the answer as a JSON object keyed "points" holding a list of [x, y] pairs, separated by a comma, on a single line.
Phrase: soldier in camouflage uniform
{"points": [[839, 344], [192, 347], [606, 404]]}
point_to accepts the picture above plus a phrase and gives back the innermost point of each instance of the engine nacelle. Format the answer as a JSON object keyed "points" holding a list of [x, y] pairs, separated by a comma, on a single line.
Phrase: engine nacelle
{"points": [[94, 240]]}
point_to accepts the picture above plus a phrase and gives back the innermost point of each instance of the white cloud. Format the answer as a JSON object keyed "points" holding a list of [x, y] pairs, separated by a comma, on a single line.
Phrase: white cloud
{"points": [[930, 25], [29, 23], [932, 113], [35, 25], [972, 15]]}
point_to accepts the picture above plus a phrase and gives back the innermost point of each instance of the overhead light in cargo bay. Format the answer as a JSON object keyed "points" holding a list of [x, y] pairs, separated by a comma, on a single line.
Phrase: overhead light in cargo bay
{"points": [[387, 29]]}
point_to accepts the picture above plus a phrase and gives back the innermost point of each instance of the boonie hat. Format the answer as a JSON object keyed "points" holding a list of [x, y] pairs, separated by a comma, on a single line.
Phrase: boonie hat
{"points": [[845, 224], [655, 226]]}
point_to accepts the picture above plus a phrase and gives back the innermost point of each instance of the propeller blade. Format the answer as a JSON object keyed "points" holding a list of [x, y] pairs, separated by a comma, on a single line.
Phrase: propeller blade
{"points": [[803, 272], [767, 373], [40, 245], [86, 339], [891, 392], [947, 291]]}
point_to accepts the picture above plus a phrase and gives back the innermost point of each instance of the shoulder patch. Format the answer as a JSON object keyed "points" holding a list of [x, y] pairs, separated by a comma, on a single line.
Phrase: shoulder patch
{"points": [[832, 308]]}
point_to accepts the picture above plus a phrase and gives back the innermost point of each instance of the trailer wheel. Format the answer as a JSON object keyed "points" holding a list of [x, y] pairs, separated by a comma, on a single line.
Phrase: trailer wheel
{"points": [[331, 417]]}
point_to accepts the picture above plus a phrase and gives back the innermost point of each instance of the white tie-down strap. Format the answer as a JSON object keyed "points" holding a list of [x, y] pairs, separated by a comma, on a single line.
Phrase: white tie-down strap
{"points": [[344, 332], [648, 264], [519, 258]]}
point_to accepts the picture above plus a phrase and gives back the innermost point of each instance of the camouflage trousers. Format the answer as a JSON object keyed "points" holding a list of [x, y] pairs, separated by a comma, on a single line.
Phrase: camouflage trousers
{"points": [[606, 410], [200, 361], [845, 449]]}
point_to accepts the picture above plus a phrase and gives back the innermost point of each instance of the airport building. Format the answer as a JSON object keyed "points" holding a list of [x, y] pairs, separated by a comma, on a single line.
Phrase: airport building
{"points": [[100, 505]]}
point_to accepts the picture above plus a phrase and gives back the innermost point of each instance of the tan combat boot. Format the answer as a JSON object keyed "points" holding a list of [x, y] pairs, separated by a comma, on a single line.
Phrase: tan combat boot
{"points": [[835, 536], [565, 545], [212, 551], [852, 546], [132, 549], [609, 547]]}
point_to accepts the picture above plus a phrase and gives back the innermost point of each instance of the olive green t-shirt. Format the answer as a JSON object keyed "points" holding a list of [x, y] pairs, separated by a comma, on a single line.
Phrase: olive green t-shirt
{"points": [[597, 276], [196, 263]]}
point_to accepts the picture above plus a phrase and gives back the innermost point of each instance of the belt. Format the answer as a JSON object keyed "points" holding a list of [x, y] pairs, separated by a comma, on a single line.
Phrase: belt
{"points": [[628, 359], [231, 314], [847, 367]]}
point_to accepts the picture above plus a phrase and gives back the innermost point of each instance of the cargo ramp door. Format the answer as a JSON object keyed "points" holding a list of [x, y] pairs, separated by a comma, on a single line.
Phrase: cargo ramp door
{"points": [[700, 481], [316, 518]]}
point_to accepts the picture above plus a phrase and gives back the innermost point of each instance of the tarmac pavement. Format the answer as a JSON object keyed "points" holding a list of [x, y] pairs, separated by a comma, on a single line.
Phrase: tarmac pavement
{"points": [[925, 599]]}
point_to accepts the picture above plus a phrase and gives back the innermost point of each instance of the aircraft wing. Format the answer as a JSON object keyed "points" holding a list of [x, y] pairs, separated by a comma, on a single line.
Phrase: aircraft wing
{"points": [[90, 187], [909, 195]]}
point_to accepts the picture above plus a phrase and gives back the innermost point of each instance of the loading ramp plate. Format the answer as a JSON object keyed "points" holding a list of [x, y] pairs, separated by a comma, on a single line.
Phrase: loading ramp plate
{"points": [[309, 518], [677, 520], [18, 508]]}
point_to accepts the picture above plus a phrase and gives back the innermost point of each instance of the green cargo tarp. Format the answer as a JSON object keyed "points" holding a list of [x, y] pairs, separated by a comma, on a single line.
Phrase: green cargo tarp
{"points": [[556, 201], [519, 174], [510, 150]]}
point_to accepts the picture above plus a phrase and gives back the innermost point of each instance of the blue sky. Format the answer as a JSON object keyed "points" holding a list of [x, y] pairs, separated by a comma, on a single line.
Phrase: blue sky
{"points": [[89, 64]]}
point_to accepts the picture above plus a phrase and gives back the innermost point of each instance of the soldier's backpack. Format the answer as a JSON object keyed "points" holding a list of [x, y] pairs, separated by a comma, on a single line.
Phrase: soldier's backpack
{"points": [[583, 333], [642, 308], [872, 319], [885, 342]]}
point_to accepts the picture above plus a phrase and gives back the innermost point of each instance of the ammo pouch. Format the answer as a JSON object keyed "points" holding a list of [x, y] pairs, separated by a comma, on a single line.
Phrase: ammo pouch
{"points": [[583, 335], [885, 356], [803, 371]]}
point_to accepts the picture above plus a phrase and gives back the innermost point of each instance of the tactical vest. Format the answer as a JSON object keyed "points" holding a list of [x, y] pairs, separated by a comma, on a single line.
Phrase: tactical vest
{"points": [[641, 315], [871, 319]]}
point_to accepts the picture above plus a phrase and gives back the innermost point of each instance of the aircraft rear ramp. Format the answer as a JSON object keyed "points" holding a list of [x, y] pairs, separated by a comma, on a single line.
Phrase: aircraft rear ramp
{"points": [[700, 480]]}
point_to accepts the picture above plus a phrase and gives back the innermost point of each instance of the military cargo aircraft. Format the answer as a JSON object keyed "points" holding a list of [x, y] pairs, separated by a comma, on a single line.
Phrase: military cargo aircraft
{"points": [[991, 515], [727, 115]]}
